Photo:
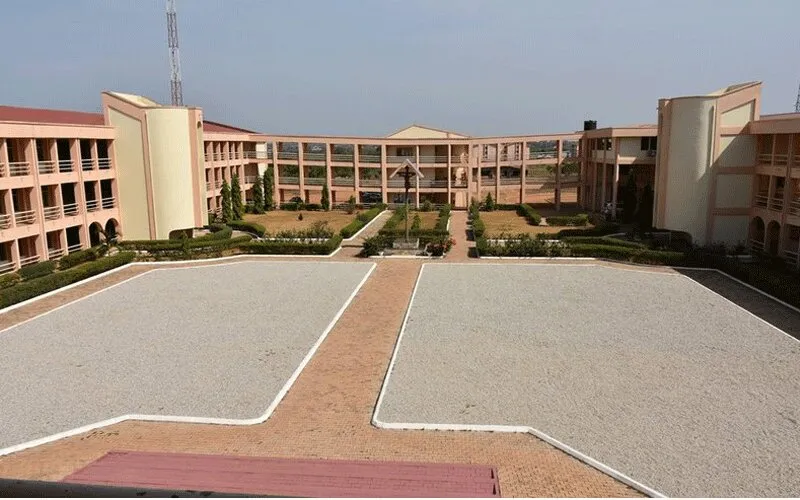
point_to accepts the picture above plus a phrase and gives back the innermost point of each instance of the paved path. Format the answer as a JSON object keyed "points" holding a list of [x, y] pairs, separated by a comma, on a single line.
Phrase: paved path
{"points": [[327, 413], [458, 229], [372, 229]]}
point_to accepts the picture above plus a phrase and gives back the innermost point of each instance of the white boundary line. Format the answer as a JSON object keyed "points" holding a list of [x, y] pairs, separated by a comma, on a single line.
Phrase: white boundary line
{"points": [[365, 227], [491, 428], [203, 420]]}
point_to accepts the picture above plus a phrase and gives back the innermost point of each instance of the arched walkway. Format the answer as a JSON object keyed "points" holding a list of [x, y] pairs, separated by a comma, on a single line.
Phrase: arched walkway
{"points": [[773, 240], [94, 233], [112, 228], [757, 234]]}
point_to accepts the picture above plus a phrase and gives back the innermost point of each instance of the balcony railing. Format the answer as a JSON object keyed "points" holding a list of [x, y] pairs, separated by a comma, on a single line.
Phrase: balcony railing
{"points": [[24, 261], [459, 183], [314, 156], [456, 160], [47, 167], [399, 159], [794, 207], [776, 204], [209, 157], [18, 168], [398, 183], [71, 209], [288, 180], [369, 158], [757, 246], [54, 253], [432, 183], [25, 217], [64, 166], [209, 186], [433, 159], [51, 213], [761, 200], [765, 157], [92, 205], [790, 255], [315, 181], [217, 184], [87, 164], [5, 221], [3, 171], [108, 202], [342, 181], [285, 155], [780, 159], [488, 181], [510, 181], [369, 182], [541, 155], [250, 179], [74, 248], [342, 157], [104, 163], [6, 266]]}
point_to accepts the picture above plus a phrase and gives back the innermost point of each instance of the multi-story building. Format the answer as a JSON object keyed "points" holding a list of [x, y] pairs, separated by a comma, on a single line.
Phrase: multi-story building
{"points": [[719, 170]]}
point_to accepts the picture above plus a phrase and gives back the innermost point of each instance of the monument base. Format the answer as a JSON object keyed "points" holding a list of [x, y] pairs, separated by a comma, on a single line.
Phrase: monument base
{"points": [[406, 245]]}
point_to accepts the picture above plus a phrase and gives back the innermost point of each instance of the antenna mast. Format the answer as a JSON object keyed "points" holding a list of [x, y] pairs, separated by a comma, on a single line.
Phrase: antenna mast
{"points": [[175, 85], [797, 102]]}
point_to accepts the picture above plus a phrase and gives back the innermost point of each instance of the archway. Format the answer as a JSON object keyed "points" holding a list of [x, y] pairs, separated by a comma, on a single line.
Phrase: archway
{"points": [[773, 238], [112, 228], [757, 234], [94, 233]]}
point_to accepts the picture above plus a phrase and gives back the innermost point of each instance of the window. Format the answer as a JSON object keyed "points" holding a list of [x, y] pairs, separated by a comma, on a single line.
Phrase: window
{"points": [[649, 143]]}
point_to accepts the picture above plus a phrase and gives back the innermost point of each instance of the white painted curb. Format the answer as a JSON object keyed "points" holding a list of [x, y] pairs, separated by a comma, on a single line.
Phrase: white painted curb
{"points": [[202, 420], [368, 224]]}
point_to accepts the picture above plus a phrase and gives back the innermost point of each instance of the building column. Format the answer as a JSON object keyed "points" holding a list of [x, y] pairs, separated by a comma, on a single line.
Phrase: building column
{"points": [[470, 159], [95, 164], [384, 173], [449, 172], [557, 194], [329, 172], [480, 164], [603, 193], [15, 253], [356, 176], [276, 193], [787, 184], [301, 175], [615, 189], [36, 203], [525, 155], [497, 174], [62, 239], [416, 179]]}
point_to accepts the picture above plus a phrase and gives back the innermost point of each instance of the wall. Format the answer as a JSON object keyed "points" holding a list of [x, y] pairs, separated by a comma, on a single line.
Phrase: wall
{"points": [[131, 184], [415, 132], [737, 151], [730, 229], [738, 116], [631, 147], [171, 169]]}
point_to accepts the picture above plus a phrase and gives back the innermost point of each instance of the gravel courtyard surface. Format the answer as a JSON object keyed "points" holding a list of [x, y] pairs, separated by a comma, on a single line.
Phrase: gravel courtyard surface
{"points": [[649, 373], [216, 341]]}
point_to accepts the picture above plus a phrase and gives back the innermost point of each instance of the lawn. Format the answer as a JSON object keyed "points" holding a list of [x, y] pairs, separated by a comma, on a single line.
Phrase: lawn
{"points": [[428, 219], [282, 220], [508, 222]]}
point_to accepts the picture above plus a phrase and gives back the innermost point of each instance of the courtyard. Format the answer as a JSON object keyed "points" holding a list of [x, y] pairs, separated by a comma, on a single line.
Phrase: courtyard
{"points": [[649, 373], [216, 344]]}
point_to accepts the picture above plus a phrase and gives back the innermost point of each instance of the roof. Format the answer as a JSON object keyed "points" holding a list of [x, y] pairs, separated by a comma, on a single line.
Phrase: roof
{"points": [[37, 115], [416, 131], [209, 126]]}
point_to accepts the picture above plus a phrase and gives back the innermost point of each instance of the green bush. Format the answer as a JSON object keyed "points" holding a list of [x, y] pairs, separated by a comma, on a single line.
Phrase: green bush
{"points": [[602, 240], [488, 204], [568, 220], [167, 247], [505, 206], [444, 216], [478, 228], [37, 270], [318, 230], [529, 213], [38, 286], [292, 207], [313, 207], [373, 245], [9, 279], [216, 234], [629, 254], [292, 247], [249, 227], [79, 257], [427, 206], [416, 222], [602, 229], [361, 220]]}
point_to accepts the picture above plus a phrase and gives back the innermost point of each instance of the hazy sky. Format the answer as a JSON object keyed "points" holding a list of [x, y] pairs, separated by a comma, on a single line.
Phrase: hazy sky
{"points": [[368, 67]]}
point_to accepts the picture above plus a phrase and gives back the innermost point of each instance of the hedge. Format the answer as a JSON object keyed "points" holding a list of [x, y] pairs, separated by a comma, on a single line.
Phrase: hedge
{"points": [[293, 207], [529, 213], [293, 247], [167, 246], [216, 233], [79, 257], [361, 220], [37, 270], [602, 240], [478, 228], [249, 227], [568, 220], [506, 206], [35, 287], [601, 229], [9, 279], [630, 254]]}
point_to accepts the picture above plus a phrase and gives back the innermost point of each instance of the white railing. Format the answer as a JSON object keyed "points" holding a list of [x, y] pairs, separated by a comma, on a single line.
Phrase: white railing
{"points": [[761, 200], [92, 205], [6, 266], [288, 180], [209, 157], [285, 155], [74, 248], [510, 157], [54, 253], [432, 183], [398, 159], [457, 159], [781, 159], [25, 217], [104, 163], [17, 168], [369, 159], [541, 155], [342, 157], [108, 202], [64, 166], [209, 186], [250, 179], [314, 156], [51, 213], [765, 157], [757, 246], [314, 181], [3, 172], [458, 183], [432, 159], [87, 164], [71, 209], [488, 181], [217, 184], [5, 221], [342, 181], [369, 182], [398, 183], [47, 167], [794, 207], [24, 261], [776, 204], [790, 255], [510, 181]]}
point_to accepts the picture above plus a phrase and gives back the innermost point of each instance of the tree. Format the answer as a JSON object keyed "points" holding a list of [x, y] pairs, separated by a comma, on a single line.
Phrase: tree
{"points": [[269, 191], [629, 199], [237, 207], [258, 196], [227, 210], [351, 205], [645, 214], [489, 203], [326, 198]]}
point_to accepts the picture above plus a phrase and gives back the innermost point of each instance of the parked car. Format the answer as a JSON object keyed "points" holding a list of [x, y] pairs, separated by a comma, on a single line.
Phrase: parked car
{"points": [[297, 200], [371, 197]]}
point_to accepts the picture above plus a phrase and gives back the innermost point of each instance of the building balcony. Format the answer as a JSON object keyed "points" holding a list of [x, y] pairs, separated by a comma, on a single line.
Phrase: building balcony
{"points": [[250, 179], [399, 159], [257, 155], [209, 186], [510, 157], [369, 182], [458, 160], [433, 159], [71, 209], [5, 221], [92, 205], [369, 158], [47, 166], [314, 181], [488, 181], [765, 157], [288, 180], [65, 166], [510, 181], [217, 184], [341, 181], [6, 266], [757, 246], [432, 183], [342, 157], [54, 253], [761, 200], [19, 168], [25, 261], [314, 156], [26, 217], [87, 164], [794, 207], [285, 155], [780, 159], [74, 248], [52, 213], [460, 183], [104, 163], [108, 203], [401, 183]]}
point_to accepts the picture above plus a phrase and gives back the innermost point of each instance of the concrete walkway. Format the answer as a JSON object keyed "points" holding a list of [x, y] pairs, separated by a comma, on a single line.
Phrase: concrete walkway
{"points": [[458, 229], [372, 229]]}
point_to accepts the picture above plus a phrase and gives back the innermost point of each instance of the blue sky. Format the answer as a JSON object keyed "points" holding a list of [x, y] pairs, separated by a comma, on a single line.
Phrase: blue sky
{"points": [[368, 67]]}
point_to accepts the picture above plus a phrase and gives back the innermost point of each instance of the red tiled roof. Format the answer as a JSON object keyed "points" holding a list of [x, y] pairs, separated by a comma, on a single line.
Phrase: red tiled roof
{"points": [[221, 127], [35, 115]]}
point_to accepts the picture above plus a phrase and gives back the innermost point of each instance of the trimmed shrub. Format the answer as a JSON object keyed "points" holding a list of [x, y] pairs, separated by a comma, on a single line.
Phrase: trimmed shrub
{"points": [[79, 257], [416, 222], [602, 240], [505, 206], [37, 270], [293, 247], [478, 228], [361, 220], [9, 279], [488, 204], [326, 198], [249, 227], [527, 211], [38, 286], [373, 245], [313, 207], [292, 207], [427, 206], [601, 229], [568, 220], [216, 234], [227, 208]]}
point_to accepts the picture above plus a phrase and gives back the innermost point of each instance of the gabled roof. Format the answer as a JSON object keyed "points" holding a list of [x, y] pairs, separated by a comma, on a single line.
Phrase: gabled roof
{"points": [[56, 116], [209, 126], [415, 131]]}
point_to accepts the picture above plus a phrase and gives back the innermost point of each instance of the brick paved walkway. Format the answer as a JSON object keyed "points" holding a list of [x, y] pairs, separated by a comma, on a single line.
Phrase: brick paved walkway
{"points": [[327, 413]]}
